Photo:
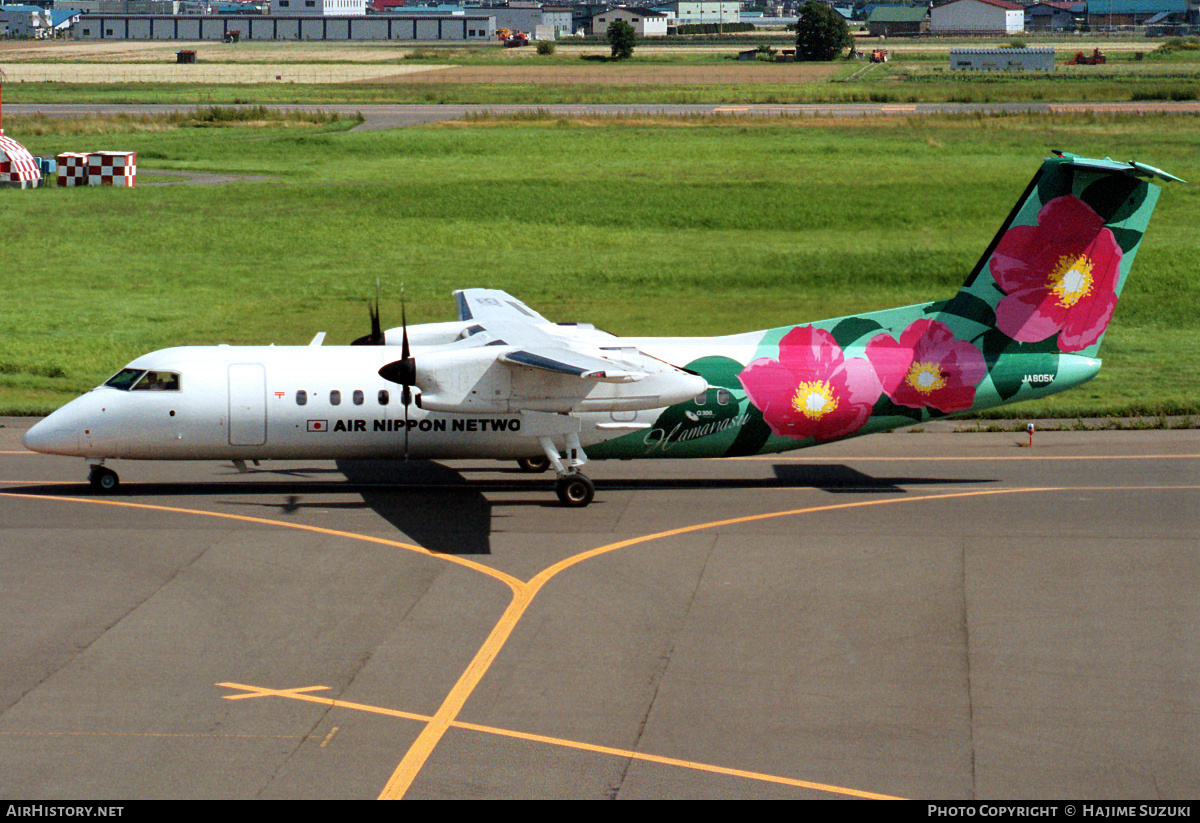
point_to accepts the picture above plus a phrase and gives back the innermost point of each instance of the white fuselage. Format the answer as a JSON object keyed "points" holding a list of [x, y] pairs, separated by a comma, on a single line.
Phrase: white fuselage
{"points": [[295, 402]]}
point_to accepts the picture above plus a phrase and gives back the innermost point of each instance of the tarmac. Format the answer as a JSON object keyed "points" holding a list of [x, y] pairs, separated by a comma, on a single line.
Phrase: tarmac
{"points": [[920, 614]]}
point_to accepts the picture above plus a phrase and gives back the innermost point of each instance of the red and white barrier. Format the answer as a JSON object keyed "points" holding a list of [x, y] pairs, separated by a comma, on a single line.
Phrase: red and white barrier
{"points": [[73, 169], [112, 168], [98, 168], [17, 166]]}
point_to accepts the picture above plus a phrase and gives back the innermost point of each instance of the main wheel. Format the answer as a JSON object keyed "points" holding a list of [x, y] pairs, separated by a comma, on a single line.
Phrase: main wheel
{"points": [[103, 480], [534, 464], [575, 490]]}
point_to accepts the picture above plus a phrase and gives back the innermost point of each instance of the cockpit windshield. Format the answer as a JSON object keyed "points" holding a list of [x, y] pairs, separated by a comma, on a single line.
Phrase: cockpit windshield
{"points": [[142, 380], [124, 379]]}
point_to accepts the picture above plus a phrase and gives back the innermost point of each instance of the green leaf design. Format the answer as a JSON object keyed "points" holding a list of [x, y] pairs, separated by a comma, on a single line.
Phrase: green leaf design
{"points": [[853, 328], [1114, 196], [1127, 239], [752, 436], [1055, 183], [1009, 362], [1009, 374], [718, 371], [969, 307], [884, 407]]}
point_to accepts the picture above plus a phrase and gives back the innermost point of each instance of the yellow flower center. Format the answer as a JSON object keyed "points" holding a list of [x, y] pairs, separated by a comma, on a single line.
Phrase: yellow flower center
{"points": [[814, 400], [1071, 281], [925, 377]]}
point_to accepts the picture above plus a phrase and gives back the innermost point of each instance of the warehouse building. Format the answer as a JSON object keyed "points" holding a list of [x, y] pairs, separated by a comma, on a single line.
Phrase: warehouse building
{"points": [[315, 26], [1037, 59], [977, 17]]}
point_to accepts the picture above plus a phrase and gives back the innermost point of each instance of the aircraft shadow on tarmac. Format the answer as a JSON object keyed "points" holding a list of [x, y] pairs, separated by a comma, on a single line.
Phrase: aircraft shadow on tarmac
{"points": [[436, 507]]}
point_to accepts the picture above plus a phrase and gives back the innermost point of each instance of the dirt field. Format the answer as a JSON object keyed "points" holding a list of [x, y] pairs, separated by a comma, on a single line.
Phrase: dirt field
{"points": [[163, 51], [209, 72], [143, 62], [382, 62]]}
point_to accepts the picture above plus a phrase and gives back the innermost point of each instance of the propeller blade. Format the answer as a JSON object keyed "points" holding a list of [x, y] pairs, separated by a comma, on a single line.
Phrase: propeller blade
{"points": [[404, 352], [375, 338], [406, 397], [408, 368]]}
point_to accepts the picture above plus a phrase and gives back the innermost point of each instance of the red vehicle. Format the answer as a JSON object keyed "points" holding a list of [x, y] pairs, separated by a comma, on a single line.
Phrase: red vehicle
{"points": [[511, 38], [1081, 59]]}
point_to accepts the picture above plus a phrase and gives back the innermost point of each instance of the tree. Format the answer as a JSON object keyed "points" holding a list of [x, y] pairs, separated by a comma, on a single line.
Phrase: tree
{"points": [[622, 37], [821, 33]]}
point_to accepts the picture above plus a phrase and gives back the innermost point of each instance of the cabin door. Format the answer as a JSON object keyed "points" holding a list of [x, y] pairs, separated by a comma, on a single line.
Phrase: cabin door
{"points": [[247, 404]]}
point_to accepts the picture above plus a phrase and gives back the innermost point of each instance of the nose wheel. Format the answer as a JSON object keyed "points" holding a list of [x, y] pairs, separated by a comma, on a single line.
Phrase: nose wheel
{"points": [[102, 479]]}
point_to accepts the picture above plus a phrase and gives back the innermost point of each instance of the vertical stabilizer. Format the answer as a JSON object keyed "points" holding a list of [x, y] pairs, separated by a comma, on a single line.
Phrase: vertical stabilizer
{"points": [[1051, 278]]}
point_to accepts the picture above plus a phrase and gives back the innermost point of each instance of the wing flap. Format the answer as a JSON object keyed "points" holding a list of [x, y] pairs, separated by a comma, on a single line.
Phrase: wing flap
{"points": [[566, 361]]}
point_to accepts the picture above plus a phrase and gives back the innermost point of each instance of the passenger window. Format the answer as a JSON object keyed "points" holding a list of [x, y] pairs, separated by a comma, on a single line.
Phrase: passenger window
{"points": [[158, 381], [335, 398], [358, 397], [301, 398], [701, 399], [723, 397], [383, 397]]}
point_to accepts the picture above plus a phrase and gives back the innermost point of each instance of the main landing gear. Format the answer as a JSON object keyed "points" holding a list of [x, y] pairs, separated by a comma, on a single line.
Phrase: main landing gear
{"points": [[534, 465], [574, 488], [102, 479]]}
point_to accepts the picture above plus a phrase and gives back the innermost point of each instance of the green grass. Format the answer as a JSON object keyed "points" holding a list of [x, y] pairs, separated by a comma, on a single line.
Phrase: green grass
{"points": [[687, 226], [883, 86]]}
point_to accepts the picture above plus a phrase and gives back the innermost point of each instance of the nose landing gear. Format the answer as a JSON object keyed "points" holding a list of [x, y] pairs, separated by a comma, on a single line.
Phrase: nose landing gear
{"points": [[102, 479]]}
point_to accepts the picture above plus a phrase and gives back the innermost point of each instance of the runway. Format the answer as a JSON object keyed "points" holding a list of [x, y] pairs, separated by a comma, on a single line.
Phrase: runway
{"points": [[918, 615]]}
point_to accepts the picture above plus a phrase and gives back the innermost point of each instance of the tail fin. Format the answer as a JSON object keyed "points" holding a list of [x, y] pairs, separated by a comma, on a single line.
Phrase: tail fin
{"points": [[1027, 323], [1052, 276], [1040, 298], [1029, 320]]}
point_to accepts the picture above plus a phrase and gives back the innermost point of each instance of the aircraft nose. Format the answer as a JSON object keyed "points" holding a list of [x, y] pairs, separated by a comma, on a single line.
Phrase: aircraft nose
{"points": [[57, 434]]}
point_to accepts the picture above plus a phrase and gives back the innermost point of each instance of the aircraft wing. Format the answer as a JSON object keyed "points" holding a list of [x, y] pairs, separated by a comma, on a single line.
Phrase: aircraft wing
{"points": [[502, 356], [494, 308], [510, 321], [562, 360]]}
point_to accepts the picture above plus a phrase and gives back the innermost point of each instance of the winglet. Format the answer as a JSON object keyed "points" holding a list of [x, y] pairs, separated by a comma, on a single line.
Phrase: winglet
{"points": [[1108, 164], [1150, 171]]}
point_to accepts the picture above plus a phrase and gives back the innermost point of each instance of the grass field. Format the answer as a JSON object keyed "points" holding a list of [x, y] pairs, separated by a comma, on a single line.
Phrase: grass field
{"points": [[688, 226]]}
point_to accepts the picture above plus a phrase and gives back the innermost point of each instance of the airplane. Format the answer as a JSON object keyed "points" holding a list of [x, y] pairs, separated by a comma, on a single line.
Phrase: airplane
{"points": [[504, 382]]}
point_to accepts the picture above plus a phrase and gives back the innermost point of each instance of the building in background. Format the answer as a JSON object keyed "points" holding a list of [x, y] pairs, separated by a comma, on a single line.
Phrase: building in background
{"points": [[311, 26], [898, 21], [699, 12], [978, 17], [321, 8], [646, 22]]}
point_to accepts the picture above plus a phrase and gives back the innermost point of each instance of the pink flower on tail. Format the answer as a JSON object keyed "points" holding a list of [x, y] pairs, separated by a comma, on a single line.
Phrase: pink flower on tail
{"points": [[813, 389], [1060, 276], [928, 367]]}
